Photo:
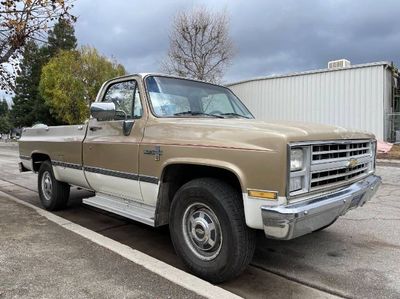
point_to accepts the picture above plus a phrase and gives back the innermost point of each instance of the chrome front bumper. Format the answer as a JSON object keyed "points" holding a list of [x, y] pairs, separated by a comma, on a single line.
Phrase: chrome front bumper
{"points": [[297, 219]]}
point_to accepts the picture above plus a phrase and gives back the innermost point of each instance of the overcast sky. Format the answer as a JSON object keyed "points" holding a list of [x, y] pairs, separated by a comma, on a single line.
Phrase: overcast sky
{"points": [[271, 37]]}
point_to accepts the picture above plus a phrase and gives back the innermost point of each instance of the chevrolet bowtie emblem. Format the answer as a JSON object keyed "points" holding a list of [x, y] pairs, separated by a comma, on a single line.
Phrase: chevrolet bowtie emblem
{"points": [[156, 152], [352, 163]]}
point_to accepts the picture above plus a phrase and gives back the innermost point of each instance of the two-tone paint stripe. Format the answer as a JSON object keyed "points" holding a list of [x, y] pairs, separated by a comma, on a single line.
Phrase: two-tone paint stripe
{"points": [[67, 165], [148, 179], [109, 172]]}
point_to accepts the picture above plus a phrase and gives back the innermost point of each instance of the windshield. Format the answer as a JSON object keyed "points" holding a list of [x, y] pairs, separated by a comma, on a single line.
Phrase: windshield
{"points": [[172, 97]]}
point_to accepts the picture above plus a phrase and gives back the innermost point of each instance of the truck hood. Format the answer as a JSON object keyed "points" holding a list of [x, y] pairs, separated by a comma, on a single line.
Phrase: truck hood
{"points": [[246, 133], [299, 131]]}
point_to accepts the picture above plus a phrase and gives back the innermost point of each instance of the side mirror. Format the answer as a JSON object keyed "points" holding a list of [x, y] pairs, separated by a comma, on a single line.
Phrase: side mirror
{"points": [[102, 111]]}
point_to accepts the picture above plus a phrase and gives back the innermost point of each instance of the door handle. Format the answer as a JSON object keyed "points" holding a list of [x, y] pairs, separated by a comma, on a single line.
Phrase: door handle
{"points": [[95, 128]]}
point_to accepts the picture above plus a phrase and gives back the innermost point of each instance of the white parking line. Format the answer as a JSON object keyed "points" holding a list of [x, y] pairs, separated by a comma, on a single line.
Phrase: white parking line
{"points": [[179, 277]]}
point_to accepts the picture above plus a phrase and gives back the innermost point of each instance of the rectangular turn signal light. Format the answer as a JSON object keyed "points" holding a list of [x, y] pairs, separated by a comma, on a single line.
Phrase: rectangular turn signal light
{"points": [[263, 194]]}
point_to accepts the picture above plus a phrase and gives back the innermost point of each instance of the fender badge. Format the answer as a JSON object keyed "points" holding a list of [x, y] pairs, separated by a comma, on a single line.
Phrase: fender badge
{"points": [[156, 152]]}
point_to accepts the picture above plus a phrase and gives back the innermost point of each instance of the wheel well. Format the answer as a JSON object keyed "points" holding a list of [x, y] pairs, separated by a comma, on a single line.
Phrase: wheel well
{"points": [[176, 175], [37, 160]]}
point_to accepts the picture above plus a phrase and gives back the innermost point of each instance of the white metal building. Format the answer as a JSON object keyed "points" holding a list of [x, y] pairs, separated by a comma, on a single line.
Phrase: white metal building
{"points": [[363, 97]]}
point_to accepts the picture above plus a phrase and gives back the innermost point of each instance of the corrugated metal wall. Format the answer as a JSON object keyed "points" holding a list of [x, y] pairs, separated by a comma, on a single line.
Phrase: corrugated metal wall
{"points": [[352, 98]]}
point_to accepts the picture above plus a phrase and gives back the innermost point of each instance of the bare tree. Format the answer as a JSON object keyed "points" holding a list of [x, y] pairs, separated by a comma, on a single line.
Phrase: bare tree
{"points": [[23, 20], [200, 46]]}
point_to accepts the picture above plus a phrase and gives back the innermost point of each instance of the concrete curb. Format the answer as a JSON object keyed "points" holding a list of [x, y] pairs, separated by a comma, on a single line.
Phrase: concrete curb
{"points": [[388, 161], [179, 277]]}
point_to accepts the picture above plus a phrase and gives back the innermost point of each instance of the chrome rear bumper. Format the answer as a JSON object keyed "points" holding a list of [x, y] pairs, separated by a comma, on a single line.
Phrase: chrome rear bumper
{"points": [[297, 219]]}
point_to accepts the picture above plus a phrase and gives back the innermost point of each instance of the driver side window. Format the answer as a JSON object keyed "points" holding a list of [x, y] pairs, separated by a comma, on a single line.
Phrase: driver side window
{"points": [[125, 96]]}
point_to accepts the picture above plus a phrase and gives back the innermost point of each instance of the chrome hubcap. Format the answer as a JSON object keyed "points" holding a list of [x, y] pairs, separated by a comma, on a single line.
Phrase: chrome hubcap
{"points": [[47, 185], [202, 231]]}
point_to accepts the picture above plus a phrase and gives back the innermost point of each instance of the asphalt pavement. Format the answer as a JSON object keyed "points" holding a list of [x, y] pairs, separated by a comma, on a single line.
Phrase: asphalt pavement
{"points": [[42, 260], [357, 257]]}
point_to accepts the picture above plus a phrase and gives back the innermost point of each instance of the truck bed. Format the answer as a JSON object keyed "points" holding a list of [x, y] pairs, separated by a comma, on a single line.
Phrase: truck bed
{"points": [[61, 144]]}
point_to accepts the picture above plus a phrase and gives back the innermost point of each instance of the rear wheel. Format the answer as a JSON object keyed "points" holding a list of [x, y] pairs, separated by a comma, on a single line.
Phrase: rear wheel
{"points": [[208, 229], [53, 194]]}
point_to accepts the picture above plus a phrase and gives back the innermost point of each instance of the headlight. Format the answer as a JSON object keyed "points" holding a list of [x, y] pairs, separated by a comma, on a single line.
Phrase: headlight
{"points": [[296, 159], [299, 169]]}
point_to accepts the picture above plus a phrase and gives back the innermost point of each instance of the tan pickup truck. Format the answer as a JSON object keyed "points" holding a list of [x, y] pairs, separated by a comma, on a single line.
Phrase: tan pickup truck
{"points": [[164, 150]]}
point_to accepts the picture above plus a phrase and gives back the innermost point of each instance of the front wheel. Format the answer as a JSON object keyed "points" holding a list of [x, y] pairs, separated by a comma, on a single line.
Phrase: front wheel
{"points": [[209, 231], [53, 194]]}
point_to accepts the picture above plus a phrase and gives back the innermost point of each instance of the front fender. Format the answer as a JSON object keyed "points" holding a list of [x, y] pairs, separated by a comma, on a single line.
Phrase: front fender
{"points": [[211, 163]]}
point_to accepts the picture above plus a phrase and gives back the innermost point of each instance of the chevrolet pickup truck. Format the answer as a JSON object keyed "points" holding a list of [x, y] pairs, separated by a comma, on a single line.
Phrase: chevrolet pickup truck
{"points": [[165, 150]]}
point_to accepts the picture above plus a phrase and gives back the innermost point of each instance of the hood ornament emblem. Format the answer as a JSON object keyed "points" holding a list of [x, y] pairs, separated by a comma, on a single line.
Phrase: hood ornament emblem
{"points": [[352, 163]]}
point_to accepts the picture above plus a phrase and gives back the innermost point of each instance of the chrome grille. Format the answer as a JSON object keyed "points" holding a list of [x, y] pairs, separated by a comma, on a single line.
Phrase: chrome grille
{"points": [[336, 151], [337, 162]]}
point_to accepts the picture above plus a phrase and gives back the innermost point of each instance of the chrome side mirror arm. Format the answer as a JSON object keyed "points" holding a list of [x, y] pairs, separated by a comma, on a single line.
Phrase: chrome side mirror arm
{"points": [[127, 126]]}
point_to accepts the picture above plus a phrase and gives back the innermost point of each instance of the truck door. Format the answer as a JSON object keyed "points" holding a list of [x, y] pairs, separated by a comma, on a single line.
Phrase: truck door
{"points": [[110, 157]]}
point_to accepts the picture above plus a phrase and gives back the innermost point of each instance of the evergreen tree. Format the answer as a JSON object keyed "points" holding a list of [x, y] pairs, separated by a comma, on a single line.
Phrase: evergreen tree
{"points": [[26, 90], [3, 107], [29, 106], [62, 37], [5, 125]]}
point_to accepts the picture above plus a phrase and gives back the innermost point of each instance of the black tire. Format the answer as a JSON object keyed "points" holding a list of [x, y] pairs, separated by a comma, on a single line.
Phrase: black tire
{"points": [[222, 207], [56, 196], [326, 226]]}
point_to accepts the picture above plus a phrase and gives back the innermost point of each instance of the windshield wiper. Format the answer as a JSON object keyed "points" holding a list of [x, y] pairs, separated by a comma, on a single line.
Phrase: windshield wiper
{"points": [[234, 114], [197, 113]]}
